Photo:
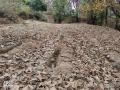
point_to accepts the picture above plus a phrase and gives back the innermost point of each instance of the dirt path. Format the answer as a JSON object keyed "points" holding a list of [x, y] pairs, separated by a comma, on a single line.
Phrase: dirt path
{"points": [[44, 56]]}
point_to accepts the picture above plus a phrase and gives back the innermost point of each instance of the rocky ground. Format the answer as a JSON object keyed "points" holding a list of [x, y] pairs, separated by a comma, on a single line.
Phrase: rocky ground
{"points": [[43, 56]]}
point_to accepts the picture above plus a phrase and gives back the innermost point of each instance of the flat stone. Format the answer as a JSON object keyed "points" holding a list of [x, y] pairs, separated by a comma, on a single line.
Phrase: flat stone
{"points": [[113, 57]]}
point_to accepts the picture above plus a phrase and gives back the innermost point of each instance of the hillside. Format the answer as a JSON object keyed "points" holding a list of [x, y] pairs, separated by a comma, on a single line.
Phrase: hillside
{"points": [[43, 56]]}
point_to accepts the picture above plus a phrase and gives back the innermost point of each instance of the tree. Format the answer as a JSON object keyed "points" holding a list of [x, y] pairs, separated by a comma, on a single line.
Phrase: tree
{"points": [[97, 10], [94, 10], [59, 9], [38, 5]]}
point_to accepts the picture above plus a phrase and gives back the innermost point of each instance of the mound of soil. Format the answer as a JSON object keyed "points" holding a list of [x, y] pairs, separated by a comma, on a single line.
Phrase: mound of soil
{"points": [[43, 56]]}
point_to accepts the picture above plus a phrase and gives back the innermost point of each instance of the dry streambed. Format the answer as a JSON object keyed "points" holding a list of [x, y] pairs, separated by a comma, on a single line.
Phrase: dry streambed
{"points": [[43, 56]]}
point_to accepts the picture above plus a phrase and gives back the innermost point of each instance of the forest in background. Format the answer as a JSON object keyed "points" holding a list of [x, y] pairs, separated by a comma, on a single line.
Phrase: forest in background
{"points": [[96, 12]]}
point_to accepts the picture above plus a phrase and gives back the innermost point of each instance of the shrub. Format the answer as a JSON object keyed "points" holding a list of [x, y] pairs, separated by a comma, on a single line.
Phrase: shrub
{"points": [[26, 9], [38, 5]]}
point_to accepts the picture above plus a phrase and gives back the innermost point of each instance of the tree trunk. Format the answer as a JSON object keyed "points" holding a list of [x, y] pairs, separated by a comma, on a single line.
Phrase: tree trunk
{"points": [[106, 16], [117, 24]]}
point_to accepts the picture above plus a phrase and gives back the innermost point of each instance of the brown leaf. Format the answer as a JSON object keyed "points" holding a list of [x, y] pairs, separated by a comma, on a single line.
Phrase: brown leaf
{"points": [[29, 87], [15, 87], [53, 88]]}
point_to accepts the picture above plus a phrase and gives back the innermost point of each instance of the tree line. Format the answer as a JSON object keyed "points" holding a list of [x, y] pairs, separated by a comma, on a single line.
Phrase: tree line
{"points": [[97, 12]]}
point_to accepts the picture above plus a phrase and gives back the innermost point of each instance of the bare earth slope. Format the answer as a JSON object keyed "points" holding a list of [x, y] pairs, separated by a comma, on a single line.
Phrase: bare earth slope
{"points": [[43, 56]]}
